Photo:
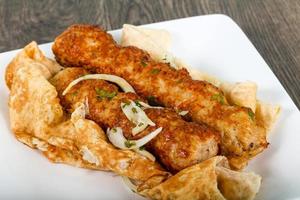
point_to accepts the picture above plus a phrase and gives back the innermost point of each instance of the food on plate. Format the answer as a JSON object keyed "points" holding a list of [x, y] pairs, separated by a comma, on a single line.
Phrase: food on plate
{"points": [[66, 135], [267, 114], [178, 144], [241, 93], [95, 50], [157, 41], [35, 112], [213, 178], [31, 55], [235, 93]]}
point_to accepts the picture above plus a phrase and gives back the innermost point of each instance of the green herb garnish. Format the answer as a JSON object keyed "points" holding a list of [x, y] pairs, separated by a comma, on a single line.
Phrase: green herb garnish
{"points": [[142, 148], [129, 143], [101, 94], [218, 97], [134, 110], [114, 130], [75, 93], [143, 63], [137, 103], [140, 124], [251, 114], [155, 71], [127, 103]]}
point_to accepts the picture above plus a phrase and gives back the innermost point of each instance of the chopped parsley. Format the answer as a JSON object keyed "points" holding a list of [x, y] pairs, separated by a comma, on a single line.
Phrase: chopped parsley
{"points": [[143, 63], [142, 148], [114, 130], [134, 110], [218, 97], [251, 114], [75, 93], [127, 103], [140, 124], [129, 143], [137, 103], [101, 94], [155, 71]]}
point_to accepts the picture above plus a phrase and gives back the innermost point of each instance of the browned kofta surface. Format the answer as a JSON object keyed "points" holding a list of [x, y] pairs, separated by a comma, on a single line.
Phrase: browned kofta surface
{"points": [[180, 144], [92, 48]]}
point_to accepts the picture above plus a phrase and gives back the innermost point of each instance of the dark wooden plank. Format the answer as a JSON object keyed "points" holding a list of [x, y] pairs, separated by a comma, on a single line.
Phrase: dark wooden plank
{"points": [[272, 25]]}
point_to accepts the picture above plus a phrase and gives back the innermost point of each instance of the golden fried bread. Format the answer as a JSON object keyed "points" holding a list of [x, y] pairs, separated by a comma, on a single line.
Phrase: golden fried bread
{"points": [[211, 180], [38, 120]]}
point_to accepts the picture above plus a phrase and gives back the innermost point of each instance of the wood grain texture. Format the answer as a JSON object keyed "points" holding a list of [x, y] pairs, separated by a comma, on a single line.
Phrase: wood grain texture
{"points": [[272, 25]]}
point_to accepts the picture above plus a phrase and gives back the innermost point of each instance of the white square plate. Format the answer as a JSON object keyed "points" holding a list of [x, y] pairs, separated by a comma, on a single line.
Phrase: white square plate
{"points": [[214, 44]]}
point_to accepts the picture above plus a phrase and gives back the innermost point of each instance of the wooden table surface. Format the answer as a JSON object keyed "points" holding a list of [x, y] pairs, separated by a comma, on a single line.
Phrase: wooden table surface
{"points": [[273, 26]]}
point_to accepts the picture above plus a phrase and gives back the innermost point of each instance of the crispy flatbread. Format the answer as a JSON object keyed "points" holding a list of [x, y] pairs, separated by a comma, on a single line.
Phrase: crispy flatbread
{"points": [[31, 54], [242, 94], [267, 114], [209, 180], [156, 41], [55, 154]]}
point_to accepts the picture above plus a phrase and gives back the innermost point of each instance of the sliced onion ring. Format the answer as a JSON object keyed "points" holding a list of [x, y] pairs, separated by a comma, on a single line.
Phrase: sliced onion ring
{"points": [[138, 117], [182, 113], [126, 87], [139, 128], [148, 106], [144, 140], [145, 153], [117, 138]]}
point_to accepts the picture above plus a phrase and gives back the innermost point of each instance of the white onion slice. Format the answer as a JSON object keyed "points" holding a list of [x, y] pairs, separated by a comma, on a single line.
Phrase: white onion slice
{"points": [[116, 137], [148, 106], [144, 140], [137, 116], [139, 128], [145, 153], [182, 113], [126, 87]]}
